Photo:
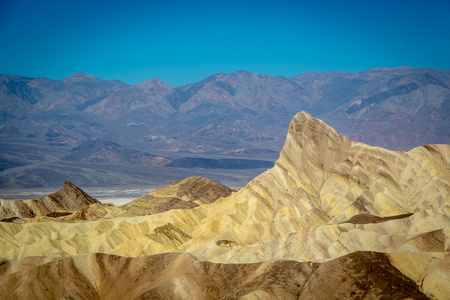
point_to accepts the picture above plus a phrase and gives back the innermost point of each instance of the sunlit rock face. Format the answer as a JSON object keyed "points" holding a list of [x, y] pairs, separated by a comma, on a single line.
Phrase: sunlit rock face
{"points": [[326, 198], [323, 177]]}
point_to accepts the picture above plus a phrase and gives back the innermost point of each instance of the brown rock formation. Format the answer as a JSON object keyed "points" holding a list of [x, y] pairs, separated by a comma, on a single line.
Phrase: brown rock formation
{"points": [[69, 198], [183, 194]]}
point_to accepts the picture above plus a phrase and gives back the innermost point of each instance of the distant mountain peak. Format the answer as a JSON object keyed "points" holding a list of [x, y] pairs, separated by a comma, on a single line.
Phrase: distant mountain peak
{"points": [[224, 76], [155, 82], [79, 77]]}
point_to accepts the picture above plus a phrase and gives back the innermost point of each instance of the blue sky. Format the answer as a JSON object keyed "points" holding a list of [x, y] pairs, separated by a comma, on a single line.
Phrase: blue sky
{"points": [[181, 42]]}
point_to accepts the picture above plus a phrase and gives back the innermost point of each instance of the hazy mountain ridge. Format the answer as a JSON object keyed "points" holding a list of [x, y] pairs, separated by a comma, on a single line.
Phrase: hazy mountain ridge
{"points": [[34, 95], [239, 107], [148, 96]]}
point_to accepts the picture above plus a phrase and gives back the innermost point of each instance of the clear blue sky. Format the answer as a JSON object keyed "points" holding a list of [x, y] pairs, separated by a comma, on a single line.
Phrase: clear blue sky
{"points": [[181, 42]]}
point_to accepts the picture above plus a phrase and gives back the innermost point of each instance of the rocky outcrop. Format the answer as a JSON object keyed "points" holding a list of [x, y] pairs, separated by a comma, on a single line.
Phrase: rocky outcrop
{"points": [[69, 198], [183, 194]]}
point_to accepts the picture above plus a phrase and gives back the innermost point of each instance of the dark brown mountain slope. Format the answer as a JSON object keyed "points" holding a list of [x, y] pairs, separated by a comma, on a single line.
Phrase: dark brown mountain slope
{"points": [[361, 275]]}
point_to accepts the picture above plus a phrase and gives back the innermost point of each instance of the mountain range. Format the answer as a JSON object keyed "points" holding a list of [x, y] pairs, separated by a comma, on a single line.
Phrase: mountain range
{"points": [[239, 108], [242, 114], [332, 219]]}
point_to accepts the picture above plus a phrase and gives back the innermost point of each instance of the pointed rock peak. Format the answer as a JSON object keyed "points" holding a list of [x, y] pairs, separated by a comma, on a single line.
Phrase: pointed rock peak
{"points": [[311, 128], [313, 138], [70, 185], [69, 198], [72, 193]]}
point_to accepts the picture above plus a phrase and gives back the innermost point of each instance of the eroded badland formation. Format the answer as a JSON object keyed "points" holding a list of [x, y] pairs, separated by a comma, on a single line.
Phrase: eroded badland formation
{"points": [[333, 219]]}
